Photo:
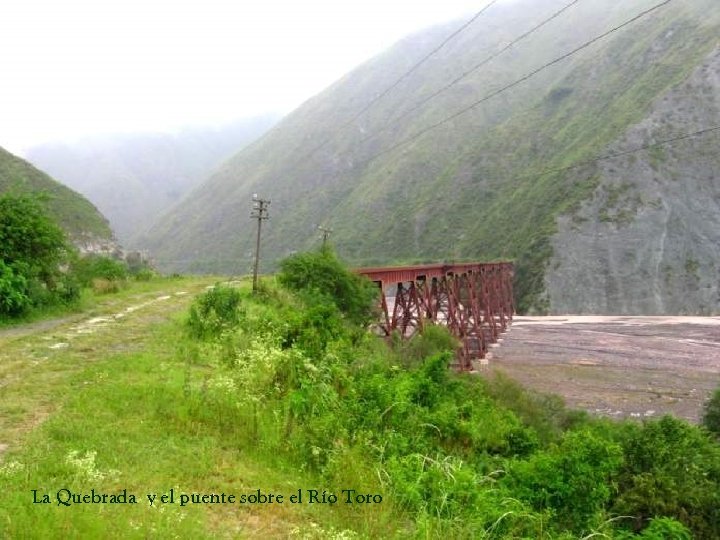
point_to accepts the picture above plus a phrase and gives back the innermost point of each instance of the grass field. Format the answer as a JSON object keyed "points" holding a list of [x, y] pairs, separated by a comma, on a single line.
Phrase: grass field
{"points": [[100, 403], [148, 416]]}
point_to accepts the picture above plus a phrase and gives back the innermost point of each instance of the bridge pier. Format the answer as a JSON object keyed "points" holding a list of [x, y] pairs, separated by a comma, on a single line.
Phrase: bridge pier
{"points": [[474, 300]]}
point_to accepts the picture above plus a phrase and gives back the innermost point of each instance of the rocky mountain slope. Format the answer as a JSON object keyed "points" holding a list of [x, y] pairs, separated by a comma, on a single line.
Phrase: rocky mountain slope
{"points": [[648, 239], [85, 225], [134, 178], [505, 173]]}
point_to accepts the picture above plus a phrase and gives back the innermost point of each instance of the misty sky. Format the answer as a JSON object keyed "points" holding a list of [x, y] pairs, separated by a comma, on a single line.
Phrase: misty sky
{"points": [[76, 67]]}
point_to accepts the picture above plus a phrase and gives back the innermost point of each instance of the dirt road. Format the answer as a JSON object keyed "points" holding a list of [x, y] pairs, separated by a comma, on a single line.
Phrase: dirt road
{"points": [[616, 366], [38, 360]]}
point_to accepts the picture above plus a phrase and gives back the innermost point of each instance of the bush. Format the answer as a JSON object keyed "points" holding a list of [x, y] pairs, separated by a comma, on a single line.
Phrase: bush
{"points": [[90, 268], [144, 274], [711, 413], [545, 413], [574, 479], [322, 278], [213, 312], [671, 469], [663, 528], [13, 291], [432, 340]]}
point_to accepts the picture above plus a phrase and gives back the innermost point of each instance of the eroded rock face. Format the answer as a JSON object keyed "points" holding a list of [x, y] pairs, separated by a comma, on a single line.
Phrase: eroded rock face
{"points": [[648, 242], [88, 244]]}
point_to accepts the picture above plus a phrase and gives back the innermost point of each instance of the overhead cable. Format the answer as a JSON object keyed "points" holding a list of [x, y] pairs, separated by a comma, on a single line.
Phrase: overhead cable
{"points": [[473, 69], [513, 84], [404, 76]]}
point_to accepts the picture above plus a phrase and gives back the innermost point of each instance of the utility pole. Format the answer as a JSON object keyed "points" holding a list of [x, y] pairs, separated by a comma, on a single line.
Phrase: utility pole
{"points": [[259, 212], [325, 234]]}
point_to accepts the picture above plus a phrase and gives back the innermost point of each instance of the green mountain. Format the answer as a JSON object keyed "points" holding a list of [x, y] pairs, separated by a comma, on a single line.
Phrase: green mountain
{"points": [[133, 178], [84, 224], [633, 234]]}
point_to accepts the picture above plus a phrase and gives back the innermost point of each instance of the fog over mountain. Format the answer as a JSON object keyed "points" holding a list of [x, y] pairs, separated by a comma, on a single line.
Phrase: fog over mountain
{"points": [[134, 178]]}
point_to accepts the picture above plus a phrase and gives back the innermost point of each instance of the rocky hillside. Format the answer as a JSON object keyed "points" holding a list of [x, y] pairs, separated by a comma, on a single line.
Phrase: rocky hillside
{"points": [[84, 224], [648, 239], [505, 173], [134, 178]]}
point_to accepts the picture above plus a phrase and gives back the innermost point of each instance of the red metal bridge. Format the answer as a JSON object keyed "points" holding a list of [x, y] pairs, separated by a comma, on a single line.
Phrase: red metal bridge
{"points": [[474, 300]]}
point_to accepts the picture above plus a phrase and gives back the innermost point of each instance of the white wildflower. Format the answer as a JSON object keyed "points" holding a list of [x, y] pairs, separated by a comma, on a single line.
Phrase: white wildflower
{"points": [[85, 466], [11, 468]]}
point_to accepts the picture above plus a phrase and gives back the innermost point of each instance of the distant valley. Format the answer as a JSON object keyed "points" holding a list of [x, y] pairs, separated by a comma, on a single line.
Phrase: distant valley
{"points": [[134, 178]]}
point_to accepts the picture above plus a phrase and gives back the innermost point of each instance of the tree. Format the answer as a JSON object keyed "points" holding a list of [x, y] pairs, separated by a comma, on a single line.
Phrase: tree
{"points": [[32, 250]]}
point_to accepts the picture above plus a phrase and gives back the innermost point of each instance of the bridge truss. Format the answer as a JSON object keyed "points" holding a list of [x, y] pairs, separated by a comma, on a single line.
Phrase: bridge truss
{"points": [[474, 300]]}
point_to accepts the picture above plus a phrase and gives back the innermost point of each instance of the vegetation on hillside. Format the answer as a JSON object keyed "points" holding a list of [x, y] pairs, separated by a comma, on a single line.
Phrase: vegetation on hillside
{"points": [[296, 379], [711, 413], [32, 250], [283, 391], [470, 189], [39, 267], [75, 214]]}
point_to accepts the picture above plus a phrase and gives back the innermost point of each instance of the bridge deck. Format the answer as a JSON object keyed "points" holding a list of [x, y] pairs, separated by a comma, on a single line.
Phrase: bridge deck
{"points": [[391, 275]]}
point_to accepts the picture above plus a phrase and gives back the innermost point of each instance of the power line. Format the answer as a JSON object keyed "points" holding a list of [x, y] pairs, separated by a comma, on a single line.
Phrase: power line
{"points": [[422, 61], [403, 77], [477, 66], [507, 87], [613, 155]]}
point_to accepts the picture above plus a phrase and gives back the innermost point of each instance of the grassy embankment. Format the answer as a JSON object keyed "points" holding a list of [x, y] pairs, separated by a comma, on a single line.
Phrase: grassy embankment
{"points": [[110, 412], [284, 391]]}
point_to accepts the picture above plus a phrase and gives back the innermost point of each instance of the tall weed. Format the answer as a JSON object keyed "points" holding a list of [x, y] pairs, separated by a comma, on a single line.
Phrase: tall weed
{"points": [[213, 312]]}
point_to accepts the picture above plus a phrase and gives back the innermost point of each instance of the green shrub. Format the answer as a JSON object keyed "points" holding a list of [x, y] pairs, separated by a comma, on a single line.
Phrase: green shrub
{"points": [[322, 278], [13, 291], [29, 236], [662, 528], [144, 274], [99, 267], [314, 328], [68, 288], [545, 413], [671, 469], [574, 479], [33, 249], [434, 339], [665, 528], [214, 311], [711, 413]]}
